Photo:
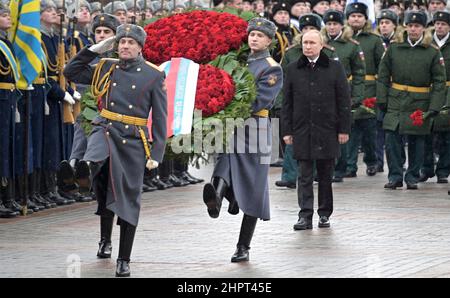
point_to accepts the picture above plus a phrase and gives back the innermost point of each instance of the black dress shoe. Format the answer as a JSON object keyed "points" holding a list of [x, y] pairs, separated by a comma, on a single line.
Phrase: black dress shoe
{"points": [[211, 200], [424, 177], [287, 184], [40, 201], [233, 208], [104, 249], [442, 180], [183, 176], [324, 222], [241, 254], [123, 268], [148, 188], [198, 180], [303, 224], [350, 175], [337, 180], [371, 171], [6, 212], [278, 163], [393, 185], [160, 185], [411, 185]]}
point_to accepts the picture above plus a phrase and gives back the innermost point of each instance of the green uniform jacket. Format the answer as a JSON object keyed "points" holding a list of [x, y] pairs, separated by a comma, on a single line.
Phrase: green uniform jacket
{"points": [[349, 53], [442, 122], [406, 65], [373, 49]]}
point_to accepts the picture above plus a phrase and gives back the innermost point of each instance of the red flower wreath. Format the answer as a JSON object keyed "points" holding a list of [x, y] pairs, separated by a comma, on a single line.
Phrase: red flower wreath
{"points": [[369, 102], [215, 90], [198, 35]]}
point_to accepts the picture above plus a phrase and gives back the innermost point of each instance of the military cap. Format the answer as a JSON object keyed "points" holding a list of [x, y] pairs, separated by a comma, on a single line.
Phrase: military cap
{"points": [[443, 16], [133, 31], [265, 26], [389, 15], [356, 7], [46, 4], [130, 5], [4, 8], [118, 5], [105, 20], [157, 6], [416, 16], [96, 6], [310, 19], [420, 2], [333, 16], [315, 2], [84, 3], [443, 1], [293, 2], [281, 6], [60, 4]]}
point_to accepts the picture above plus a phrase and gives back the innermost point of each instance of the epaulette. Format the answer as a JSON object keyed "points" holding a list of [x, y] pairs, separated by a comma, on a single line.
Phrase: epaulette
{"points": [[76, 34], [329, 47], [272, 62], [153, 66], [354, 41]]}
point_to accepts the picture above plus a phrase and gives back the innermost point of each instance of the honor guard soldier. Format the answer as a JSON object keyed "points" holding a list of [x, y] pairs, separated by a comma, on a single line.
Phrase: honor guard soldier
{"points": [[439, 140], [118, 149], [235, 171], [351, 56], [388, 28], [285, 31], [364, 127], [96, 9], [103, 26], [8, 99], [403, 89], [80, 38], [319, 6]]}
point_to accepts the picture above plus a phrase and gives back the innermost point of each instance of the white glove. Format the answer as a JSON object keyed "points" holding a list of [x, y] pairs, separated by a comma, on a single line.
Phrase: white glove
{"points": [[103, 46], [68, 98], [151, 164], [76, 95]]}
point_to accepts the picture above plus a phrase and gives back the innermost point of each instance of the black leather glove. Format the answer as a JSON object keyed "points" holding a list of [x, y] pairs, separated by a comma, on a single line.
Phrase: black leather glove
{"points": [[382, 107], [356, 105]]}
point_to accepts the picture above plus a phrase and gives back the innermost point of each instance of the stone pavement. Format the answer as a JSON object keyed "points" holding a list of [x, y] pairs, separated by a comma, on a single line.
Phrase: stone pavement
{"points": [[374, 233]]}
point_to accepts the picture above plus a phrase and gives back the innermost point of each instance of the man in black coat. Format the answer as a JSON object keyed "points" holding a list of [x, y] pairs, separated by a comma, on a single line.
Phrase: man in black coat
{"points": [[316, 118]]}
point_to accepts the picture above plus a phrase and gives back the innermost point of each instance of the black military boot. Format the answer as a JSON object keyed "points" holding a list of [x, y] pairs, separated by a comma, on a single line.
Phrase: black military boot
{"points": [[4, 211], [83, 177], [104, 246], [180, 171], [245, 237], [52, 187], [33, 192], [148, 186], [213, 195], [22, 196], [127, 232], [9, 198]]}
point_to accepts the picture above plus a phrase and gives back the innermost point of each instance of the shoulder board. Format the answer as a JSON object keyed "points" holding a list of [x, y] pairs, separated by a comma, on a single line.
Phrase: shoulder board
{"points": [[327, 46], [153, 66], [354, 41], [76, 34], [272, 62]]}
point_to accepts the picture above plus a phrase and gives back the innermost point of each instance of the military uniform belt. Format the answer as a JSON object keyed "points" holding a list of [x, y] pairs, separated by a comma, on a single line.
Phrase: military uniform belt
{"points": [[370, 78], [7, 86], [262, 113], [131, 121], [410, 88], [123, 118]]}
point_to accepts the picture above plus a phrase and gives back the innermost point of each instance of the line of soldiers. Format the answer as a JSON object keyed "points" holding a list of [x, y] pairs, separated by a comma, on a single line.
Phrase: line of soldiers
{"points": [[400, 81], [38, 149]]}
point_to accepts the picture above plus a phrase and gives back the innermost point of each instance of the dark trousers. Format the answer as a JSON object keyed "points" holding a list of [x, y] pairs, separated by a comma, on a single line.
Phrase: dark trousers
{"points": [[364, 134], [394, 148], [289, 173], [441, 146], [341, 164], [305, 187], [380, 144]]}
